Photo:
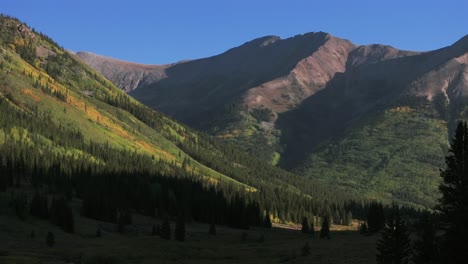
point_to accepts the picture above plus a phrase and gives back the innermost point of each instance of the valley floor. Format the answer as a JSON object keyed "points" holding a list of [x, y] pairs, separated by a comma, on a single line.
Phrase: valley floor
{"points": [[280, 245]]}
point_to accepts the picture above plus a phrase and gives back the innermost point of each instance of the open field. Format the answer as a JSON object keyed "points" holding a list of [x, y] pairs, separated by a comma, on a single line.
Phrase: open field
{"points": [[280, 245]]}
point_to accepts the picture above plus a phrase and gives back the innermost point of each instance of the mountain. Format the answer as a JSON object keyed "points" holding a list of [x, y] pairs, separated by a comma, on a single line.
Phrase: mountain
{"points": [[200, 86], [372, 118], [126, 75], [67, 131]]}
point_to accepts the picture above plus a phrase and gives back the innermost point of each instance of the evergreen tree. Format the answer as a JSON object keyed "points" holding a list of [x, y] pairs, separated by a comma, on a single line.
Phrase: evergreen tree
{"points": [[394, 245], [305, 226], [50, 239], [363, 228], [325, 230], [180, 228], [453, 205], [267, 220], [154, 231], [68, 224], [121, 224], [19, 203], [38, 206], [305, 250], [375, 217], [166, 229], [312, 231], [349, 219], [61, 214], [425, 248], [244, 236], [212, 229], [158, 230], [261, 239]]}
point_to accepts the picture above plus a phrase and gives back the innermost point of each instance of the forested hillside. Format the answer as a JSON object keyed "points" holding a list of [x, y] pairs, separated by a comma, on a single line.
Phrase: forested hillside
{"points": [[66, 131], [388, 158]]}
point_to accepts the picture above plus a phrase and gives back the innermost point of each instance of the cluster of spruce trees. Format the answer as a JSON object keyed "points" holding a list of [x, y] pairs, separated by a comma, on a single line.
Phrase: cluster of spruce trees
{"points": [[441, 235]]}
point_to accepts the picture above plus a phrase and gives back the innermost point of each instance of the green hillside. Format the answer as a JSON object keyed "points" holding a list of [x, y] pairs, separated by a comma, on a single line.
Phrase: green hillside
{"points": [[393, 155], [40, 78]]}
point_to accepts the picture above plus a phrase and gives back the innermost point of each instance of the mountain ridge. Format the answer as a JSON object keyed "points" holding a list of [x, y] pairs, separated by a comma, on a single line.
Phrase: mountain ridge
{"points": [[62, 119], [286, 100]]}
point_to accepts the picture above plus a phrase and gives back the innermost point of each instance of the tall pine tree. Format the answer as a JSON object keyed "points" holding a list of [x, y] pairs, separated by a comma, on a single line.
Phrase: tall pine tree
{"points": [[180, 228], [425, 248], [375, 217], [453, 206], [325, 230], [394, 246], [166, 229], [305, 226], [267, 220]]}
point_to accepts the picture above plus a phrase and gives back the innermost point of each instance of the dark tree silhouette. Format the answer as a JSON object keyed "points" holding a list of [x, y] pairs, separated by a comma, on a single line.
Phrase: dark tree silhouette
{"points": [[38, 206], [305, 226], [305, 250], [121, 224], [312, 227], [453, 205], [61, 214], [325, 230], [50, 239], [261, 238], [244, 236], [375, 217], [212, 229], [363, 228], [267, 220], [425, 248], [394, 246], [166, 229], [179, 232]]}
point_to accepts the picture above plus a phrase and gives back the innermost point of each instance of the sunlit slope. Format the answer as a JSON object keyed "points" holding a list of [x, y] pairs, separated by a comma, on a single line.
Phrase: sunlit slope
{"points": [[38, 77]]}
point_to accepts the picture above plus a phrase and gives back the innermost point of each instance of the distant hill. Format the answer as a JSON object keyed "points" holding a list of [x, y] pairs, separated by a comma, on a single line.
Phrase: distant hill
{"points": [[299, 102]]}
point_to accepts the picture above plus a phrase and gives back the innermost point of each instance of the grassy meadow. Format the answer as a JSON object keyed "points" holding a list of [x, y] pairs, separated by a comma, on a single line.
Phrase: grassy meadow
{"points": [[281, 244]]}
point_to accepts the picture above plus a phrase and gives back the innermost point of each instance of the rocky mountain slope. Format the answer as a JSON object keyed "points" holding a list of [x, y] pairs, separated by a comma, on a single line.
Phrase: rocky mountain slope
{"points": [[290, 101]]}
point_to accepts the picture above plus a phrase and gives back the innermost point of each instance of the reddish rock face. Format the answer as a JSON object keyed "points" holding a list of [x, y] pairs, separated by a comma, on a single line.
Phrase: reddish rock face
{"points": [[283, 74], [309, 75]]}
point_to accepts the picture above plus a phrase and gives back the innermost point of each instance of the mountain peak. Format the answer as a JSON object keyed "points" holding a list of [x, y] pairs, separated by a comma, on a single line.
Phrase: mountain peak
{"points": [[462, 44], [463, 40]]}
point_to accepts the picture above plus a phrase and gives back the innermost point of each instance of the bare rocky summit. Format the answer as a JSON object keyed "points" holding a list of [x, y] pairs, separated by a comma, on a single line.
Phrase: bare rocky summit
{"points": [[126, 75]]}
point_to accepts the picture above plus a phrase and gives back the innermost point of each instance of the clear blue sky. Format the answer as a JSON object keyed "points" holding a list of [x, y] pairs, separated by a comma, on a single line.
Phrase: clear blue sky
{"points": [[158, 31]]}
